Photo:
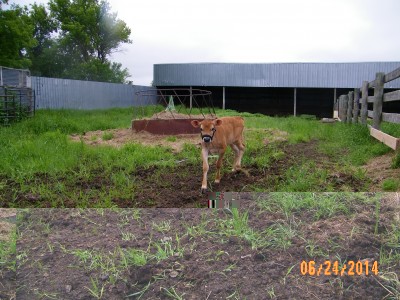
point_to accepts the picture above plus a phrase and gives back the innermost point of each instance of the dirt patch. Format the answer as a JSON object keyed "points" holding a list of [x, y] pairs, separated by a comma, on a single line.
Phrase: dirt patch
{"points": [[120, 137], [379, 168], [275, 135], [7, 213], [7, 223], [66, 254]]}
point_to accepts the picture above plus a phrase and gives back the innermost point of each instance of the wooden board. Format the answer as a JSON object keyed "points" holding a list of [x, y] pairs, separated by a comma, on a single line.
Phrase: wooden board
{"points": [[392, 96], [392, 75], [388, 140], [390, 117]]}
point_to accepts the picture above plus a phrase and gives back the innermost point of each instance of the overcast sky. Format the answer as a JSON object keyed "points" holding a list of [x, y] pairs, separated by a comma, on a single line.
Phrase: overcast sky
{"points": [[254, 31]]}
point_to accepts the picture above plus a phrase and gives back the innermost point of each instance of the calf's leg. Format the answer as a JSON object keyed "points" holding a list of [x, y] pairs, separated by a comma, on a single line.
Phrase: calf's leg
{"points": [[235, 149], [204, 156], [219, 165], [238, 148], [241, 147]]}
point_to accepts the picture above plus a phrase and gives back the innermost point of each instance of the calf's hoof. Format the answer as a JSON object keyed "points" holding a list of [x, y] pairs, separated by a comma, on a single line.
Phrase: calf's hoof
{"points": [[204, 190], [217, 181]]}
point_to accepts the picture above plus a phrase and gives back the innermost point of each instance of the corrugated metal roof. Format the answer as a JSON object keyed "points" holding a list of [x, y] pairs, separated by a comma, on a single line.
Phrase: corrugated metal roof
{"points": [[308, 75]]}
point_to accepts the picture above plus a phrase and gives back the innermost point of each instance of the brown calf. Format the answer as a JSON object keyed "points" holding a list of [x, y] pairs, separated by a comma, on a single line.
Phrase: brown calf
{"points": [[216, 135]]}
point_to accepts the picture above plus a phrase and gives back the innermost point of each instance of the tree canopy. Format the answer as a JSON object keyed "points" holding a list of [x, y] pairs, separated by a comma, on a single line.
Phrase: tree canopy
{"points": [[15, 37], [67, 39]]}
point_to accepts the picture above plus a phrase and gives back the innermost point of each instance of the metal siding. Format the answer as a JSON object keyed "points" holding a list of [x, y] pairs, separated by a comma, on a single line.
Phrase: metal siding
{"points": [[55, 93], [307, 75]]}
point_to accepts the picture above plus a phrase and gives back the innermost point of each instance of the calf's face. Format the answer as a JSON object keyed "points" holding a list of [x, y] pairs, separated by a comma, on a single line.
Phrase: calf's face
{"points": [[207, 128]]}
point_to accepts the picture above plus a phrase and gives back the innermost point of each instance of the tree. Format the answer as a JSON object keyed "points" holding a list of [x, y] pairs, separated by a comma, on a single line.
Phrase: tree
{"points": [[74, 39], [88, 34], [96, 70], [15, 36], [44, 55]]}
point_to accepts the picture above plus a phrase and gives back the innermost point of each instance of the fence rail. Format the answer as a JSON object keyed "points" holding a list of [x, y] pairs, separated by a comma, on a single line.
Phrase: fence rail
{"points": [[349, 110]]}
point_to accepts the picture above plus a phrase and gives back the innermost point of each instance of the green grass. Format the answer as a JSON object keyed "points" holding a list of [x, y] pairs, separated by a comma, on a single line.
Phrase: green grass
{"points": [[8, 252], [107, 136], [318, 205], [396, 161], [391, 185], [171, 139], [38, 156]]}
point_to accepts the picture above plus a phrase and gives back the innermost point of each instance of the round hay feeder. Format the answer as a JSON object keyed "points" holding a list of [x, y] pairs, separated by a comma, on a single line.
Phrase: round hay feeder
{"points": [[170, 111]]}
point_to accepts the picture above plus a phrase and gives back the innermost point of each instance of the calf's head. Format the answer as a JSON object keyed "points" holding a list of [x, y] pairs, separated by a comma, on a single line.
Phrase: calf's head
{"points": [[207, 128]]}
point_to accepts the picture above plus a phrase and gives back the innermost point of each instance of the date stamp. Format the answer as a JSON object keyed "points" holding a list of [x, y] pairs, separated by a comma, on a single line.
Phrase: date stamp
{"points": [[349, 268]]}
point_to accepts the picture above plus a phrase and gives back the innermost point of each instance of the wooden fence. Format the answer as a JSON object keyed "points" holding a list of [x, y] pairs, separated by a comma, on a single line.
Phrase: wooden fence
{"points": [[353, 107]]}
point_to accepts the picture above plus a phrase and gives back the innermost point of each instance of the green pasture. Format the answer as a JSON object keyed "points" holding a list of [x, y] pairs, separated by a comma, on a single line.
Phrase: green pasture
{"points": [[37, 157]]}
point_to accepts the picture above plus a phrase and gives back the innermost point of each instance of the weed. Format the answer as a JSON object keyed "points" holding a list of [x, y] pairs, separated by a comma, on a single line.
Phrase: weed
{"points": [[271, 293], [391, 184], [320, 205], [396, 161], [139, 294], [313, 250], [288, 272], [8, 251], [46, 295], [377, 215], [304, 177], [172, 293], [162, 226], [107, 136], [96, 291], [128, 236], [280, 235], [166, 249], [391, 285], [133, 257]]}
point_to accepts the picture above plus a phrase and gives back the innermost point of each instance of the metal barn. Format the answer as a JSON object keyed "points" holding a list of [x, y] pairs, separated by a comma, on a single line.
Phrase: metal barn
{"points": [[275, 88]]}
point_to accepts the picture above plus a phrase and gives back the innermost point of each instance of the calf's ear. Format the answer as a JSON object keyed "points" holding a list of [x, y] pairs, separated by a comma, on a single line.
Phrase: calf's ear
{"points": [[218, 122], [195, 123]]}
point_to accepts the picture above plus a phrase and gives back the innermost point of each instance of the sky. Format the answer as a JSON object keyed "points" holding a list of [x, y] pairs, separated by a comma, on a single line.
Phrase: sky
{"points": [[254, 31]]}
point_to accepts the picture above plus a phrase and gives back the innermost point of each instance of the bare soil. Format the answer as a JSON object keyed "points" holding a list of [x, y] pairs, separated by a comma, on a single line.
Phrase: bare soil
{"points": [[212, 265], [121, 137], [379, 168]]}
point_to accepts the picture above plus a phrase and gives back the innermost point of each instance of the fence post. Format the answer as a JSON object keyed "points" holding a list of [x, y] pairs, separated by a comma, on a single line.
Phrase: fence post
{"points": [[364, 103], [6, 102], [378, 100], [340, 107], [345, 101], [356, 107], [349, 106]]}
